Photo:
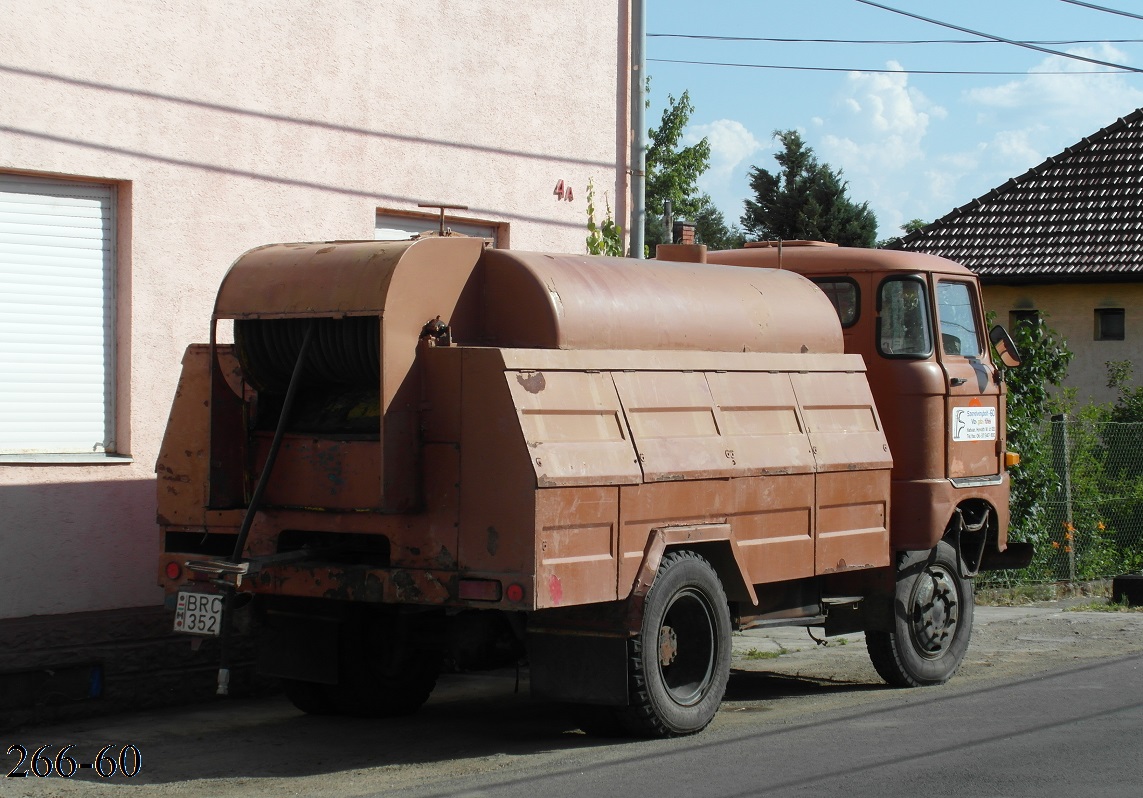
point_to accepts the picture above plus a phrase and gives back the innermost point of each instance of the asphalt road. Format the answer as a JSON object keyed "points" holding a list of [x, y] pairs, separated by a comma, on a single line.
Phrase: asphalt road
{"points": [[1047, 703]]}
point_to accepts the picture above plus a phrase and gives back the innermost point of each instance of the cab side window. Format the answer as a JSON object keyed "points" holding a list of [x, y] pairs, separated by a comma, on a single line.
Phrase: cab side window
{"points": [[903, 323], [843, 293], [959, 334]]}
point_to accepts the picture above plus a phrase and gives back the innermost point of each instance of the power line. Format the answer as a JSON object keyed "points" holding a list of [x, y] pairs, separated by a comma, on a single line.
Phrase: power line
{"points": [[1104, 9], [881, 41], [1000, 38], [882, 71]]}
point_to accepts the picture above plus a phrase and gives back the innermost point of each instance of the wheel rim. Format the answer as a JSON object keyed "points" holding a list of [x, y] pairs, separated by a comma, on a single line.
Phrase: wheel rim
{"points": [[934, 612], [686, 647]]}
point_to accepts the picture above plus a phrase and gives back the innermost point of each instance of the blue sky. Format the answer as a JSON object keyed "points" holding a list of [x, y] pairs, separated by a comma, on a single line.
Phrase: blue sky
{"points": [[912, 145]]}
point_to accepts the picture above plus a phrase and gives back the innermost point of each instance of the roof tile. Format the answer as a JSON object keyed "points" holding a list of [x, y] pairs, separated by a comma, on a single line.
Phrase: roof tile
{"points": [[1078, 215]]}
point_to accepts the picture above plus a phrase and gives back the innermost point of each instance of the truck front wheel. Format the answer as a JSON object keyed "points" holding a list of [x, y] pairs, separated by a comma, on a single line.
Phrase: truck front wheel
{"points": [[931, 624], [680, 660]]}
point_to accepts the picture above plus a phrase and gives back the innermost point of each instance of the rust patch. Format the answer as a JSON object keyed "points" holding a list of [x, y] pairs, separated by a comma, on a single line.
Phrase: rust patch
{"points": [[533, 383], [555, 590], [445, 560], [406, 587]]}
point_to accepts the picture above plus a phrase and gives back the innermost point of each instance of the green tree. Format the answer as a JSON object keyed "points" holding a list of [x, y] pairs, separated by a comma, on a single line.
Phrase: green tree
{"points": [[672, 171], [911, 226], [672, 174], [805, 199], [1044, 363], [711, 228]]}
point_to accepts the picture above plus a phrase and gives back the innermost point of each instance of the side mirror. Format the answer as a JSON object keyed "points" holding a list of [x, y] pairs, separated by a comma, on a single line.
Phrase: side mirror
{"points": [[1005, 346]]}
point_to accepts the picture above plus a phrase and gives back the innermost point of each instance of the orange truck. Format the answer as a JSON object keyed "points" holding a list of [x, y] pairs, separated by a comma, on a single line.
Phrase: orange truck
{"points": [[426, 454]]}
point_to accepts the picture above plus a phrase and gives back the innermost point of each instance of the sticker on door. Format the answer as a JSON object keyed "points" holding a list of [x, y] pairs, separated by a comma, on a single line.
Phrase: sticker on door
{"points": [[974, 423]]}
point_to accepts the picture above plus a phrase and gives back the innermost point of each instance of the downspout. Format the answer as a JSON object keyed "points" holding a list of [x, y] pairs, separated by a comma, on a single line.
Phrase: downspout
{"points": [[638, 126]]}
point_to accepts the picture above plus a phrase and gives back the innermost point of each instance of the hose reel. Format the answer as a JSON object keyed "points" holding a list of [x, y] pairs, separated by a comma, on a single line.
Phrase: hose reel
{"points": [[344, 353]]}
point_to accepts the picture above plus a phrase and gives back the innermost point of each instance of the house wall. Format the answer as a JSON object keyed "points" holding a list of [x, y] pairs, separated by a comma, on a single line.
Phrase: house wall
{"points": [[1070, 310], [231, 125]]}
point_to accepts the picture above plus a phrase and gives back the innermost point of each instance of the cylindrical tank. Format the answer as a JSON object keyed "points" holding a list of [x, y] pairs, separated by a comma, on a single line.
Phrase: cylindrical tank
{"points": [[534, 299]]}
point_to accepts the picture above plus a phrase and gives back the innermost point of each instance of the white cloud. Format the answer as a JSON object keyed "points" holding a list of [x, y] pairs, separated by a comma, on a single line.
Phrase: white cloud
{"points": [[730, 143], [877, 139], [885, 122], [1016, 146], [733, 149], [1091, 101]]}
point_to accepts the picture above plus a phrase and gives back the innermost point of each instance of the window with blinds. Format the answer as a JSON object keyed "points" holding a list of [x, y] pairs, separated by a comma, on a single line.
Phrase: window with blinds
{"points": [[57, 319]]}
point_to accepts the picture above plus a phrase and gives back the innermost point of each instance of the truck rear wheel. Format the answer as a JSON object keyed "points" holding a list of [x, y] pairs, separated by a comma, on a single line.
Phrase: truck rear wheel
{"points": [[386, 667], [932, 621], [310, 697], [680, 660]]}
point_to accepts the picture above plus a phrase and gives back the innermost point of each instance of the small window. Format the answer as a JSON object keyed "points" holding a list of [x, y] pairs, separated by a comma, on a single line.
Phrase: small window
{"points": [[402, 226], [958, 321], [903, 323], [843, 293], [1109, 324], [1018, 317]]}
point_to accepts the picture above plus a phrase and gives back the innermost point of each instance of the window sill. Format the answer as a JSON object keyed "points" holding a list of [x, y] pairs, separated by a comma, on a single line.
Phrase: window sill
{"points": [[66, 459]]}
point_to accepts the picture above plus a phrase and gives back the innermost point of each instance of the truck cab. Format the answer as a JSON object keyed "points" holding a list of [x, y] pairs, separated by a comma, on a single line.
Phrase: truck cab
{"points": [[918, 322]]}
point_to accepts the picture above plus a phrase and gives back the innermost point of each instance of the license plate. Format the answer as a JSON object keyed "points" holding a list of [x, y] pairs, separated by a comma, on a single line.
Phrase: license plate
{"points": [[198, 613]]}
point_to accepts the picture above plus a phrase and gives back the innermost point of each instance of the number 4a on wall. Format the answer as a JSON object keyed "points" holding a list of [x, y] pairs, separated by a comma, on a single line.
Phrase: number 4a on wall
{"points": [[563, 193]]}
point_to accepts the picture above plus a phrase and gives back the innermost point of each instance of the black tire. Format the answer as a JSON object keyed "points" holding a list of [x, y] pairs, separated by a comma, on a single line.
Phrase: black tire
{"points": [[387, 668], [1127, 589], [932, 621], [310, 697], [680, 660]]}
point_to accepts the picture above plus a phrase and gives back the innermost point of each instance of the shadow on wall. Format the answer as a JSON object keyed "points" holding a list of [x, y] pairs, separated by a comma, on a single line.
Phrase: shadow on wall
{"points": [[77, 546], [83, 628]]}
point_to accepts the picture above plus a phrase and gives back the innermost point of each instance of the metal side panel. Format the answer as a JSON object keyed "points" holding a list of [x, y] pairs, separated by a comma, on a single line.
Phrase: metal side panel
{"points": [[842, 421], [577, 531], [852, 520], [578, 669], [760, 423], [322, 472], [773, 522], [183, 464], [672, 417], [665, 504], [574, 428]]}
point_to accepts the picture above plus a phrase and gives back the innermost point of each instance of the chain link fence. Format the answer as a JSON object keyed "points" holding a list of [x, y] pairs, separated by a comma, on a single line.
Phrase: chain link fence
{"points": [[1080, 502]]}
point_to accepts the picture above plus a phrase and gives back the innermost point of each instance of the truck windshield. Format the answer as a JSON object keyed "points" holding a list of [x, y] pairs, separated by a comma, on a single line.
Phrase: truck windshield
{"points": [[904, 318], [958, 322]]}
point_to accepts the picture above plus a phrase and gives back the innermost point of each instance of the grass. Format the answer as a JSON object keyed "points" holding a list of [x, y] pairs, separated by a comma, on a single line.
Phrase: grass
{"points": [[1079, 597], [1022, 595], [1104, 605], [753, 653]]}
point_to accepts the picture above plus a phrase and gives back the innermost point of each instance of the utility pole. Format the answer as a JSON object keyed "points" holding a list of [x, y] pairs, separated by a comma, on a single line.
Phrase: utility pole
{"points": [[638, 126]]}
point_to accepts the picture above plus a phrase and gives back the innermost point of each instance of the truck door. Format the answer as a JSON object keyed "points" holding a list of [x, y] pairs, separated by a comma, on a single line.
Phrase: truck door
{"points": [[973, 401]]}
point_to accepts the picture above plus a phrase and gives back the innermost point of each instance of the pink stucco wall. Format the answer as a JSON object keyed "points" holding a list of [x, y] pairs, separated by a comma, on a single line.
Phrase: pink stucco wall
{"points": [[229, 125]]}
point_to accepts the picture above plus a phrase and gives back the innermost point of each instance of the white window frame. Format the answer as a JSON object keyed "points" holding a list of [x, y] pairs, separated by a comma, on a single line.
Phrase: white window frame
{"points": [[58, 275], [396, 225]]}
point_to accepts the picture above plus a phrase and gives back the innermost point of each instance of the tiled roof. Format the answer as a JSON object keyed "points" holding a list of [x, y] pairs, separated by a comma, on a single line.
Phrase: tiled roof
{"points": [[1076, 217]]}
